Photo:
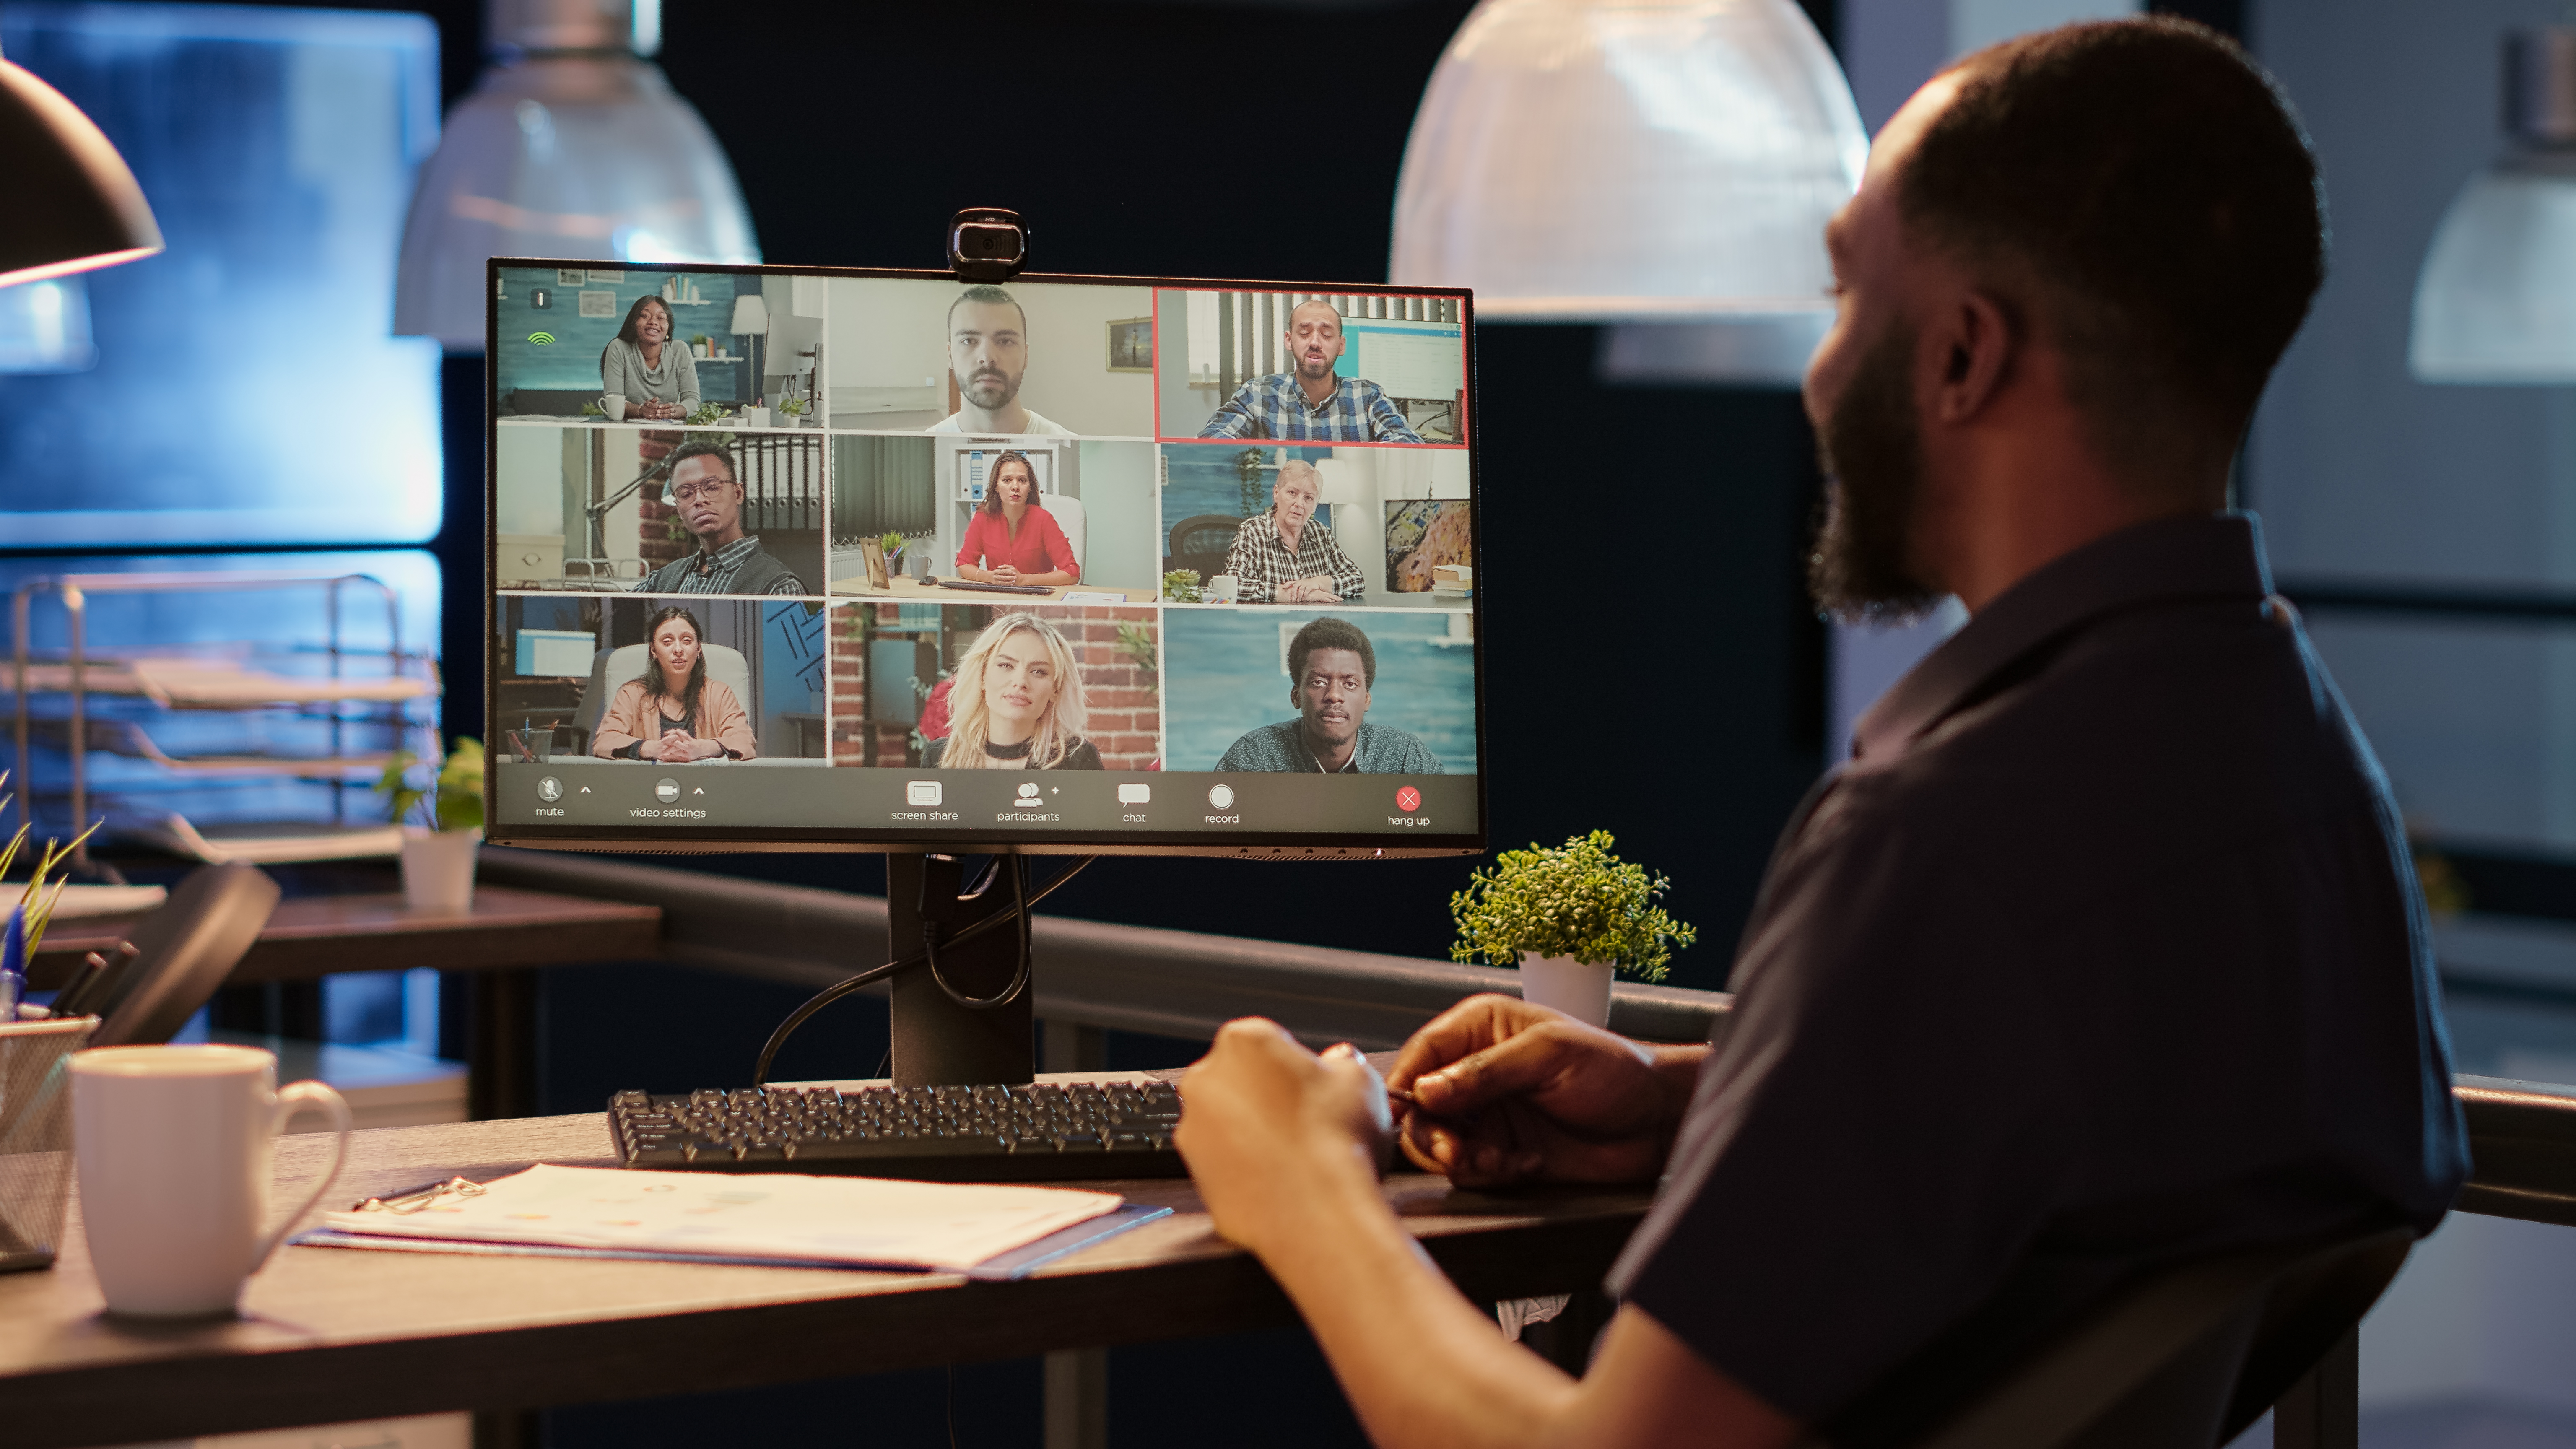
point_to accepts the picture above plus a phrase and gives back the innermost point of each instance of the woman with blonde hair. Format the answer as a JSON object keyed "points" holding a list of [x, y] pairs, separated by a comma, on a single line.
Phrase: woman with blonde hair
{"points": [[673, 713], [1016, 703]]}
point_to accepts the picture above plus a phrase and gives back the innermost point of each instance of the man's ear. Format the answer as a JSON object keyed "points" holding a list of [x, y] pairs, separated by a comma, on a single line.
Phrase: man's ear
{"points": [[1979, 344]]}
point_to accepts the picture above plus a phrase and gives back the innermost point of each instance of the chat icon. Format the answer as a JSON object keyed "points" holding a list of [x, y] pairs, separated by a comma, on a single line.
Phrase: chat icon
{"points": [[1135, 794]]}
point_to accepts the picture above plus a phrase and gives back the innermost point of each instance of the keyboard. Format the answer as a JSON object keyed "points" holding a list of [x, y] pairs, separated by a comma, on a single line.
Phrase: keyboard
{"points": [[940, 1134], [977, 588]]}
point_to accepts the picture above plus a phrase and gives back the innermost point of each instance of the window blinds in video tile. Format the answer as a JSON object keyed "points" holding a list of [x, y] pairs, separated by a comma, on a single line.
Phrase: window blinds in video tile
{"points": [[1234, 529]]}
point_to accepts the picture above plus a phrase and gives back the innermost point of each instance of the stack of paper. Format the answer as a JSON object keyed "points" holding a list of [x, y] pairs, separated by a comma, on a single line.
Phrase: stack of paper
{"points": [[875, 1221], [1453, 581]]}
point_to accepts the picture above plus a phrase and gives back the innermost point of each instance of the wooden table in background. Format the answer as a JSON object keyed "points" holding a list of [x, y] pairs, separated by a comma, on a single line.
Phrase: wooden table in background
{"points": [[331, 1334], [908, 588], [507, 935]]}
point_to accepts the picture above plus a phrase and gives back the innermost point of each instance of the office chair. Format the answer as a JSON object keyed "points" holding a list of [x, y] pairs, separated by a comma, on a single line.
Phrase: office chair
{"points": [[611, 668], [1201, 541], [2190, 1357], [183, 951]]}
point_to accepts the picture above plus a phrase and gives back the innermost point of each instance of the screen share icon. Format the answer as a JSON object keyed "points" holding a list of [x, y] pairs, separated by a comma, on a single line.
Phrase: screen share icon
{"points": [[921, 792]]}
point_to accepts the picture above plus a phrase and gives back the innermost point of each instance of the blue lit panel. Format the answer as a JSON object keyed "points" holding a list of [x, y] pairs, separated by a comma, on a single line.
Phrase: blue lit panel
{"points": [[246, 387]]}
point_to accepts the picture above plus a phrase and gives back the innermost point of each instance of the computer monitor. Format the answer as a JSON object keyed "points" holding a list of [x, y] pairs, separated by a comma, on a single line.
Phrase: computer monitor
{"points": [[1062, 565]]}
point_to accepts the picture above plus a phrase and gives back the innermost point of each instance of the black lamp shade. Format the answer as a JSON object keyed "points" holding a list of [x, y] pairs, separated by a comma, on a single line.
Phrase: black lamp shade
{"points": [[67, 201]]}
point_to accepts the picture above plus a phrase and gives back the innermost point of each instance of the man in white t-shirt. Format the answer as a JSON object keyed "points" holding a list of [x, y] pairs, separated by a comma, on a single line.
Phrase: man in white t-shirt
{"points": [[988, 354]]}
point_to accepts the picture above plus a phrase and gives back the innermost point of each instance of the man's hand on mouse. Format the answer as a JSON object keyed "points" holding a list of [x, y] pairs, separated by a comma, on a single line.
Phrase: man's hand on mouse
{"points": [[1267, 1124], [1516, 1093]]}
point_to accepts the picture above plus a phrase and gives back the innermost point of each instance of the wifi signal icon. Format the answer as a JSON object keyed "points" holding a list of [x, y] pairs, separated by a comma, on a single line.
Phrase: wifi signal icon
{"points": [[542, 339]]}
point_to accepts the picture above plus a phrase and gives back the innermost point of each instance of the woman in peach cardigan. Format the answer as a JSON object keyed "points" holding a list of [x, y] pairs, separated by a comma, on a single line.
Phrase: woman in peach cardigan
{"points": [[673, 713]]}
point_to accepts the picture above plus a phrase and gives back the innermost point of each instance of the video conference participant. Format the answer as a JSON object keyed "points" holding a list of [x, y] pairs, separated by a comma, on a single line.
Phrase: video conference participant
{"points": [[1308, 403], [1016, 703], [988, 354], [1331, 668], [1018, 541], [1278, 557], [641, 364], [708, 498], [2104, 952], [672, 712]]}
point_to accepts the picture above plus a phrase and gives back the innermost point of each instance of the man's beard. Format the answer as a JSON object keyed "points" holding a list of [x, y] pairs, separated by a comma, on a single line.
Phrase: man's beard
{"points": [[1312, 370], [1002, 387], [1871, 451]]}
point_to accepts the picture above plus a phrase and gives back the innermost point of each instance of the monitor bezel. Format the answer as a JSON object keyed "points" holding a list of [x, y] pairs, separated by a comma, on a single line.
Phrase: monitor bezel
{"points": [[711, 840]]}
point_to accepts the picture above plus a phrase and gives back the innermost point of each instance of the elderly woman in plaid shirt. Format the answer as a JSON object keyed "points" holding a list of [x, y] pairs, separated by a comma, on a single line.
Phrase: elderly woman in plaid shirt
{"points": [[1280, 557]]}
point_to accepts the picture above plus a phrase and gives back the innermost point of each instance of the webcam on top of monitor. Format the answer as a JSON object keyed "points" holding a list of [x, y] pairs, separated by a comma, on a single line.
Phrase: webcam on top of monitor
{"points": [[987, 244]]}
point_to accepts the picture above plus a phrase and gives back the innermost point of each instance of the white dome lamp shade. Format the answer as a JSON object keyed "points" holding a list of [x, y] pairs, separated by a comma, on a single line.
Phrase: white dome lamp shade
{"points": [[1668, 165], [571, 145], [2496, 299]]}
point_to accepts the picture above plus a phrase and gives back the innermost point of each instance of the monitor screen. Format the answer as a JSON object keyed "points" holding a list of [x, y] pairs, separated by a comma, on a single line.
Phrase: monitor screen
{"points": [[804, 558]]}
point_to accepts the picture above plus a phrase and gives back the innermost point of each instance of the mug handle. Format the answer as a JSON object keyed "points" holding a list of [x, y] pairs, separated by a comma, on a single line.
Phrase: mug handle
{"points": [[290, 1097]]}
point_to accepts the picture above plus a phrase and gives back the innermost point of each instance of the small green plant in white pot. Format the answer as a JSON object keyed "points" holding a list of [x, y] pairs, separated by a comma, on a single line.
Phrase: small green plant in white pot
{"points": [[442, 824], [1571, 917]]}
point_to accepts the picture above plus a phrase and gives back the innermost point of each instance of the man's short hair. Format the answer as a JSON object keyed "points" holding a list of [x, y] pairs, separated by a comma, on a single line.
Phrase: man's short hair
{"points": [[1330, 634], [1340, 322], [701, 448], [990, 296], [2155, 184]]}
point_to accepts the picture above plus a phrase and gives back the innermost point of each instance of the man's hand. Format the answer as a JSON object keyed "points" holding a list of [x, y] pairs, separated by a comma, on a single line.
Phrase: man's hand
{"points": [[1268, 1127], [1517, 1093]]}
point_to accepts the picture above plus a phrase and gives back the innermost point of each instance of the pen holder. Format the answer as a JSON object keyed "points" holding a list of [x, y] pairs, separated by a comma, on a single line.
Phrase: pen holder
{"points": [[36, 1135]]}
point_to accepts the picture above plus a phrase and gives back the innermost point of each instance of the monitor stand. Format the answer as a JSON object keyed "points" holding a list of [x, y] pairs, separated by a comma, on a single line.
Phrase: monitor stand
{"points": [[937, 1042]]}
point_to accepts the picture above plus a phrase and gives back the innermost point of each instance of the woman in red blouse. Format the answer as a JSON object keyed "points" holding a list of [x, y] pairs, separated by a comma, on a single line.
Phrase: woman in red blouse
{"points": [[1011, 540]]}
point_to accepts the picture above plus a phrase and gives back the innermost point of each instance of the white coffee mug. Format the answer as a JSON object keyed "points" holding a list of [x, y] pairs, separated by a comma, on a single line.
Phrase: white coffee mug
{"points": [[172, 1144], [615, 406], [1220, 589]]}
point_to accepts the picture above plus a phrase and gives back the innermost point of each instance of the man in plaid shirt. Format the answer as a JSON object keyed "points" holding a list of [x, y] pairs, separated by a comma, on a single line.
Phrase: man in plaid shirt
{"points": [[1281, 557], [1309, 404]]}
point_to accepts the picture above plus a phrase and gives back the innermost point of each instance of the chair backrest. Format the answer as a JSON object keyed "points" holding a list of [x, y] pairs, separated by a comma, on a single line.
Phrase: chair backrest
{"points": [[611, 668], [184, 950], [1067, 510], [2187, 1358], [1201, 540]]}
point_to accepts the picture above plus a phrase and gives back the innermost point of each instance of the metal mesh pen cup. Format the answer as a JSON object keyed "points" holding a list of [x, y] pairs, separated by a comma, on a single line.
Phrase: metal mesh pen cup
{"points": [[36, 1135]]}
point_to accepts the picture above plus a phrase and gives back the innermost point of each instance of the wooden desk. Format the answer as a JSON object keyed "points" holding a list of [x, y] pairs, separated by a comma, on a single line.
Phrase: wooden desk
{"points": [[332, 1334], [315, 936], [509, 933], [909, 590]]}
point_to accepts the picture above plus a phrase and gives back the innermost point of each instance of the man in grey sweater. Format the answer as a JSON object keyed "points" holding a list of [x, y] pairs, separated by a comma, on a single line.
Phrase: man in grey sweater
{"points": [[1331, 668]]}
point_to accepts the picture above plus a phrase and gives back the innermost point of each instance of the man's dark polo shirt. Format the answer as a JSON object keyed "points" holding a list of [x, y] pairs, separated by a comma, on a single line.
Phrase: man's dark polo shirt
{"points": [[2103, 952]]}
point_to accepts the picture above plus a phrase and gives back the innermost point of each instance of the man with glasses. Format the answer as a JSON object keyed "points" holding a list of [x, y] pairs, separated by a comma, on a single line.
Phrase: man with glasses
{"points": [[707, 497]]}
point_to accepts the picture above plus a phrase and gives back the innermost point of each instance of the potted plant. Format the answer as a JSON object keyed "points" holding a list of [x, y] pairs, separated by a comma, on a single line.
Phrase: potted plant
{"points": [[1181, 586], [892, 543], [442, 825], [1570, 917], [796, 408]]}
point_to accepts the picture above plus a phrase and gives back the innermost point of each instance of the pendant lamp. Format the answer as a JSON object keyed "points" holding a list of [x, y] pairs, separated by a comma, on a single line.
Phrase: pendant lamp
{"points": [[2496, 299], [572, 145], [67, 201], [1666, 164]]}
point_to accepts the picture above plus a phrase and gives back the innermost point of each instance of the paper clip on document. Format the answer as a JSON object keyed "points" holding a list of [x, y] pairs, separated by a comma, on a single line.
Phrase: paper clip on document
{"points": [[420, 1199]]}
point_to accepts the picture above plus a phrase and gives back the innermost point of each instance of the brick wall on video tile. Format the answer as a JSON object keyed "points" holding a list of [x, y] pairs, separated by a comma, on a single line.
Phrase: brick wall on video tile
{"points": [[850, 727], [654, 516], [1126, 719]]}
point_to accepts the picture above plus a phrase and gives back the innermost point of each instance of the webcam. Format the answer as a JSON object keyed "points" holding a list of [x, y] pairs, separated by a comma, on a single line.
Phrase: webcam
{"points": [[987, 244]]}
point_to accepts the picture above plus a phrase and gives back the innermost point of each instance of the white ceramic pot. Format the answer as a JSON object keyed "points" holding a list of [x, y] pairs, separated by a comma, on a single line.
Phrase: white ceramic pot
{"points": [[438, 868], [755, 417], [1580, 989]]}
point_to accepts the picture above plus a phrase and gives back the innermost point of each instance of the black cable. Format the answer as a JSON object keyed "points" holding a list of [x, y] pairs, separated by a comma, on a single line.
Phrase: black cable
{"points": [[1019, 911], [1024, 901]]}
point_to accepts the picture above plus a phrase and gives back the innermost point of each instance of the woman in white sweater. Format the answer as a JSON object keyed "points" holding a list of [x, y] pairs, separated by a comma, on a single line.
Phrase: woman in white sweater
{"points": [[643, 365]]}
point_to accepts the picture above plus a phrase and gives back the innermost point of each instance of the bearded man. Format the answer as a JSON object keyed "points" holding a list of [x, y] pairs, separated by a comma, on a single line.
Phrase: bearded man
{"points": [[2102, 954]]}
